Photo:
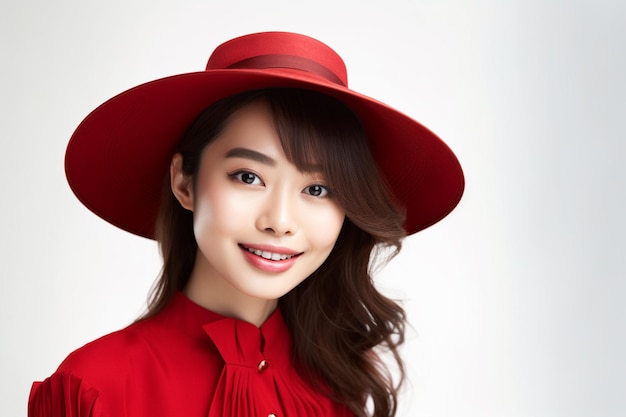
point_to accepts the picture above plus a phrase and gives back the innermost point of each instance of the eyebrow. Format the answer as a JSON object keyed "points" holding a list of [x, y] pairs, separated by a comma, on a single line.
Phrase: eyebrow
{"points": [[250, 154]]}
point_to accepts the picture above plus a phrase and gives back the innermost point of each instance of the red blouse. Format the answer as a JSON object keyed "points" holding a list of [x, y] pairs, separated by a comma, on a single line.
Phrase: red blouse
{"points": [[186, 361]]}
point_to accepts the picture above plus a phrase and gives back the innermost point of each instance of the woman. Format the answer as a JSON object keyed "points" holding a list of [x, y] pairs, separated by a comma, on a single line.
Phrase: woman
{"points": [[270, 187]]}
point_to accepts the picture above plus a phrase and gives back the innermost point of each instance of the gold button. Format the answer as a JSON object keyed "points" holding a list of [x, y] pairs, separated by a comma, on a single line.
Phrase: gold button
{"points": [[262, 367]]}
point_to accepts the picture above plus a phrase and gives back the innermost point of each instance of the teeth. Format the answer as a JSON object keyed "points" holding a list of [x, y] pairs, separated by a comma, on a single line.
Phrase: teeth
{"points": [[269, 255]]}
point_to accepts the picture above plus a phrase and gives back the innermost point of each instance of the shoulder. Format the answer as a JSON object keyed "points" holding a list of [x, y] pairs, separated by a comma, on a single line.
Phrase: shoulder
{"points": [[110, 353], [76, 387]]}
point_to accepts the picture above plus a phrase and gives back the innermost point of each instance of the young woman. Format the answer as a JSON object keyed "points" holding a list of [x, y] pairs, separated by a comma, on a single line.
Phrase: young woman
{"points": [[271, 188]]}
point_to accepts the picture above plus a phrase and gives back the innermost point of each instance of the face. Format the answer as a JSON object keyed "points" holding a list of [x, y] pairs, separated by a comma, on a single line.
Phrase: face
{"points": [[262, 227]]}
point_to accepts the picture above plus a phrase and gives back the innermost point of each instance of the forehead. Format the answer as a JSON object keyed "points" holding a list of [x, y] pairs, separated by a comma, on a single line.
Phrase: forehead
{"points": [[258, 126], [250, 127]]}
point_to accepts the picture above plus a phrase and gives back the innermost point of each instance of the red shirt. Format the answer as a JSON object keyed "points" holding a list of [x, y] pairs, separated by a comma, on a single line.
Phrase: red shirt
{"points": [[184, 362]]}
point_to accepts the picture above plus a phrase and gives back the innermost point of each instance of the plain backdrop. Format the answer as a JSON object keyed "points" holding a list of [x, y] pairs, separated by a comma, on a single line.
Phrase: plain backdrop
{"points": [[516, 300]]}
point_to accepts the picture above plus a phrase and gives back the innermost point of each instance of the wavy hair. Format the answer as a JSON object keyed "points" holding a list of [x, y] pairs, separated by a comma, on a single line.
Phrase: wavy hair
{"points": [[339, 321]]}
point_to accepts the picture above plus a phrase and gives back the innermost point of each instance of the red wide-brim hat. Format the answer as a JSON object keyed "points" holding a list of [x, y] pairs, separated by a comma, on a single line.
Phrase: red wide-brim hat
{"points": [[118, 156]]}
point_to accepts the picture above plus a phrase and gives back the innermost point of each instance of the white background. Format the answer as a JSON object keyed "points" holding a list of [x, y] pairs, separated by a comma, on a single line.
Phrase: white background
{"points": [[516, 299]]}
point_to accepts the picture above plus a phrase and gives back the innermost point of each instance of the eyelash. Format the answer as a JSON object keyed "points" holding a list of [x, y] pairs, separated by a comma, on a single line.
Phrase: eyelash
{"points": [[324, 193], [239, 175]]}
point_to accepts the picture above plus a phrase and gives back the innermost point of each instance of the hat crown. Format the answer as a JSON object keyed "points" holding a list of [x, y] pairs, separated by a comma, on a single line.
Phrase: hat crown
{"points": [[280, 50]]}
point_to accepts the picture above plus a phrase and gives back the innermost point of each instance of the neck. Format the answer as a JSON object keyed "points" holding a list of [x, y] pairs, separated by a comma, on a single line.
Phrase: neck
{"points": [[212, 292]]}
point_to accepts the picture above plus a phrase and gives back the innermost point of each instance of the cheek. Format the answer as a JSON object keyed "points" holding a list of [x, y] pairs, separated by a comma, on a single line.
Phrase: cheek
{"points": [[217, 212], [325, 226]]}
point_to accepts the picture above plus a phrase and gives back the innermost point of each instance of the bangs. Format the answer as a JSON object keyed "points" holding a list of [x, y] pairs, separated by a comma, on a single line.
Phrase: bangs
{"points": [[318, 133]]}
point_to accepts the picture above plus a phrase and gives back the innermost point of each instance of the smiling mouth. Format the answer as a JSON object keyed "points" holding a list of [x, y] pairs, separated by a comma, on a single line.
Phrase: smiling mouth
{"points": [[272, 256]]}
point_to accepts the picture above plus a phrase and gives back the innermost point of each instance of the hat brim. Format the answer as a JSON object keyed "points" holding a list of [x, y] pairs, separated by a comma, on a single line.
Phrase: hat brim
{"points": [[119, 155]]}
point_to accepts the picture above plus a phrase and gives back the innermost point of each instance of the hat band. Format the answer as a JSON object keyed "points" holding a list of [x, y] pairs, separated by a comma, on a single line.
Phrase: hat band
{"points": [[287, 61]]}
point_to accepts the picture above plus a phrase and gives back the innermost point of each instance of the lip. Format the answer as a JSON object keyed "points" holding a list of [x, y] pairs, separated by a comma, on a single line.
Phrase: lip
{"points": [[268, 265]]}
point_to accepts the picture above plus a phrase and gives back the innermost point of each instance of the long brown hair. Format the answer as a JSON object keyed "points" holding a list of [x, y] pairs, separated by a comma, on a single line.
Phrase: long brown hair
{"points": [[339, 321]]}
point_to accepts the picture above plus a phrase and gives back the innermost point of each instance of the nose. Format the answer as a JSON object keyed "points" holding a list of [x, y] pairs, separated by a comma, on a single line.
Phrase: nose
{"points": [[278, 214]]}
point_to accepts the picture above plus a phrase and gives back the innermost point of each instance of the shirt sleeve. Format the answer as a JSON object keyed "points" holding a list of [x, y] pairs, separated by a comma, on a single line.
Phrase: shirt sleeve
{"points": [[63, 395]]}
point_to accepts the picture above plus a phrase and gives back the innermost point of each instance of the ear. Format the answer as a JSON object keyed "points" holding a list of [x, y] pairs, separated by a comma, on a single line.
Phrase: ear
{"points": [[182, 185]]}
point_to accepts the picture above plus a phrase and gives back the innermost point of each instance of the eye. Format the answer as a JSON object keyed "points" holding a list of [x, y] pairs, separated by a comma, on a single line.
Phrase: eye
{"points": [[316, 190], [246, 177]]}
